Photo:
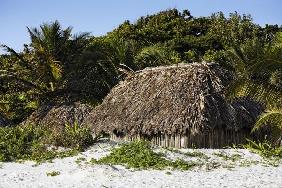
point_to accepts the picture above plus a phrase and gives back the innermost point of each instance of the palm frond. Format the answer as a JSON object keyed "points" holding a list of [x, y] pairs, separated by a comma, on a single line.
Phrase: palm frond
{"points": [[261, 92], [272, 117], [56, 69], [22, 61]]}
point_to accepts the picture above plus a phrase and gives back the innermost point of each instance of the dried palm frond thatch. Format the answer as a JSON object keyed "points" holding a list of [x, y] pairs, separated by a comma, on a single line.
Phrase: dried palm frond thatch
{"points": [[180, 106], [56, 116]]}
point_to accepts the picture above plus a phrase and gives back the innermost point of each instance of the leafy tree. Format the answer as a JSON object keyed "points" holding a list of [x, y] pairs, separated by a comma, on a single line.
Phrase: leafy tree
{"points": [[234, 30], [156, 55], [54, 48], [254, 64], [157, 28], [38, 74], [101, 66]]}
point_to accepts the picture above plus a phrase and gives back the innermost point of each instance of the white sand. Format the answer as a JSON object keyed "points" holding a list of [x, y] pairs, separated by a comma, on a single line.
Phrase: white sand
{"points": [[72, 174]]}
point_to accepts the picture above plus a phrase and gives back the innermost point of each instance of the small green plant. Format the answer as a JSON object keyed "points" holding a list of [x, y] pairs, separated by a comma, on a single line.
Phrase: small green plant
{"points": [[194, 154], [212, 165], [48, 155], [228, 166], [197, 154], [265, 149], [168, 173], [247, 163], [226, 157], [140, 155], [80, 159], [53, 173], [182, 165]]}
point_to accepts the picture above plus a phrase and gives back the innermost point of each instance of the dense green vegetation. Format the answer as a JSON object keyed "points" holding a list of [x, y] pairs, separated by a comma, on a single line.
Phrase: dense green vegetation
{"points": [[139, 154], [34, 143], [265, 149], [58, 66]]}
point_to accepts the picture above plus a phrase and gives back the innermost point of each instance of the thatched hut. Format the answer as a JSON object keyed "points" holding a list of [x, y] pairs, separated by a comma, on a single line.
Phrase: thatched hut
{"points": [[175, 106], [56, 116]]}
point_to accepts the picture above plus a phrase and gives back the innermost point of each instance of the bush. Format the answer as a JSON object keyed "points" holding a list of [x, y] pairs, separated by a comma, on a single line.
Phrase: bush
{"points": [[53, 173], [72, 136], [32, 142], [265, 149], [139, 154], [18, 142]]}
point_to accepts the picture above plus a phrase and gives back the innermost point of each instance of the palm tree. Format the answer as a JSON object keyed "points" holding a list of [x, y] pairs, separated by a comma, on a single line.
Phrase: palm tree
{"points": [[56, 47], [255, 63], [50, 53], [39, 72], [274, 116]]}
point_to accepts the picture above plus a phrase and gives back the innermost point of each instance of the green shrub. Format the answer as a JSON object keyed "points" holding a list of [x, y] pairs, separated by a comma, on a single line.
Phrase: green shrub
{"points": [[18, 142], [72, 136], [53, 173], [226, 157], [265, 149], [32, 142], [139, 154], [196, 154]]}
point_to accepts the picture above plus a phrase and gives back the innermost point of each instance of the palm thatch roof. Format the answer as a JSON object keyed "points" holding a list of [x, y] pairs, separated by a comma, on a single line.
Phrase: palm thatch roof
{"points": [[179, 99], [56, 116]]}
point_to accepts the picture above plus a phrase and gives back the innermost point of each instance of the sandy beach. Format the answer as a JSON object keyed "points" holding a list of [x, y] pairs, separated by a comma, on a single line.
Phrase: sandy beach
{"points": [[246, 169]]}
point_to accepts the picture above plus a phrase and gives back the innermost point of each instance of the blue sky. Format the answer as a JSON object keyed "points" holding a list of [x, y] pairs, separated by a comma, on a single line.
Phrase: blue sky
{"points": [[99, 17]]}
